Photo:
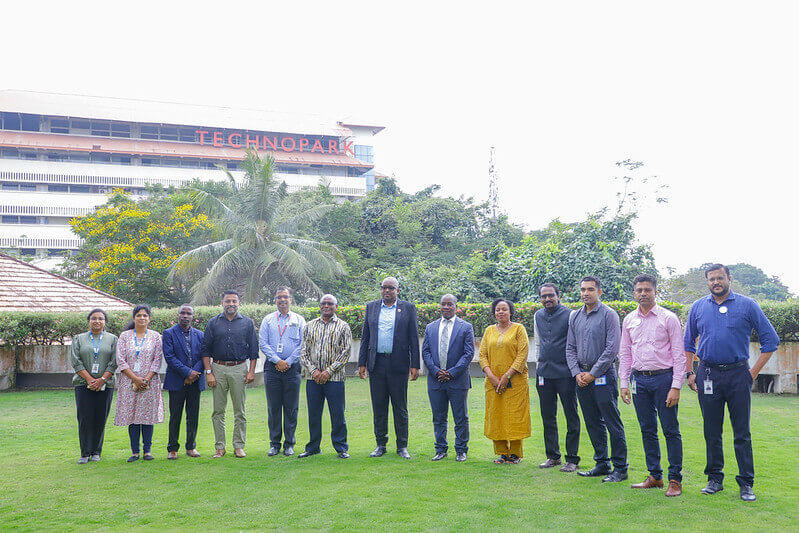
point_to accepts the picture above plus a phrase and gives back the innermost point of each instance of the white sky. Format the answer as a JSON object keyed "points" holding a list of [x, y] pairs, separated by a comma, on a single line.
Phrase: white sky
{"points": [[705, 93]]}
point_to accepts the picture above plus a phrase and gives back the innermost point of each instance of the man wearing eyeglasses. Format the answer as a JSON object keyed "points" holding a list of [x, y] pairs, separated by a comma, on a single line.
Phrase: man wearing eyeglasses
{"points": [[389, 356]]}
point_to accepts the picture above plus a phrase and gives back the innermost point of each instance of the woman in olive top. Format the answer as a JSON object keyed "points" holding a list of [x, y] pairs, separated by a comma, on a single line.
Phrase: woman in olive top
{"points": [[93, 356], [503, 358]]}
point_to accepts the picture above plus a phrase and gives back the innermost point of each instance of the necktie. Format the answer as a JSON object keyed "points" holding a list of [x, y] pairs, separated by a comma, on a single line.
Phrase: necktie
{"points": [[443, 346]]}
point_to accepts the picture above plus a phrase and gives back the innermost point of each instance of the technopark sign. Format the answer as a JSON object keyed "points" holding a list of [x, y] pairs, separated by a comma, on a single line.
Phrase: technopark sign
{"points": [[276, 143]]}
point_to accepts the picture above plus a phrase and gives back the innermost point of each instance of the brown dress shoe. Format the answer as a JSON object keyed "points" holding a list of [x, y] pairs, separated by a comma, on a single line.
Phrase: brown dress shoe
{"points": [[568, 467], [172, 455], [219, 453], [649, 483], [192, 453], [675, 488], [238, 452], [549, 463]]}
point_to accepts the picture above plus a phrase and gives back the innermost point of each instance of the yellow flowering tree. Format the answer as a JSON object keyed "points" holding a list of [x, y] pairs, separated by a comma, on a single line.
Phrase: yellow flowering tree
{"points": [[130, 246]]}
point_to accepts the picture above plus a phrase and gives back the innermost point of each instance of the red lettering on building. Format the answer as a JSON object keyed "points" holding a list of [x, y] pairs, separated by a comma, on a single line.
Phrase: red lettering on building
{"points": [[348, 148], [202, 136], [303, 144], [230, 140], [219, 142], [254, 142], [317, 143], [283, 144], [271, 142], [332, 147]]}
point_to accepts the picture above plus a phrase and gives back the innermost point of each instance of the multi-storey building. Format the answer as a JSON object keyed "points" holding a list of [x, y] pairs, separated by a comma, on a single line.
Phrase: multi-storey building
{"points": [[61, 155]]}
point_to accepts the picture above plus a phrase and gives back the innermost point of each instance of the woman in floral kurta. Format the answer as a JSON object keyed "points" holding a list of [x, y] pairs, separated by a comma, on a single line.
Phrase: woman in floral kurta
{"points": [[139, 401], [503, 358]]}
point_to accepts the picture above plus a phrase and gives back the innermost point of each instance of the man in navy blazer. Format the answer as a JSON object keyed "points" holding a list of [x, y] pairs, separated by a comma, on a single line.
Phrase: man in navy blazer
{"points": [[184, 379], [447, 350], [389, 355]]}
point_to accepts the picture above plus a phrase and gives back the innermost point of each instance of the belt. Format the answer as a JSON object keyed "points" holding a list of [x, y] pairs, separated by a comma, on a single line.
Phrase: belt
{"points": [[724, 368], [384, 354], [653, 372], [229, 363]]}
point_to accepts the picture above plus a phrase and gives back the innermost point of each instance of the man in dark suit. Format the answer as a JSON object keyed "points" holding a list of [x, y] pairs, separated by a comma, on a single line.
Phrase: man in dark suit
{"points": [[389, 355], [184, 379], [447, 350]]}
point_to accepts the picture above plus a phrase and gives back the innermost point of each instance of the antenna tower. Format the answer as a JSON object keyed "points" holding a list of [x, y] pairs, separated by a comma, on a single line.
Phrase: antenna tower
{"points": [[493, 200]]}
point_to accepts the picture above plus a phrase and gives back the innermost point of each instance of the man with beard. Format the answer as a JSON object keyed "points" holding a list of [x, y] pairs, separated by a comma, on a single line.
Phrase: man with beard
{"points": [[724, 321]]}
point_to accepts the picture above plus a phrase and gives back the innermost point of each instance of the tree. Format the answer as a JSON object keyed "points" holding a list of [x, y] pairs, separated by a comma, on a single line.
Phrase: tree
{"points": [[129, 246], [747, 279], [564, 253], [254, 251]]}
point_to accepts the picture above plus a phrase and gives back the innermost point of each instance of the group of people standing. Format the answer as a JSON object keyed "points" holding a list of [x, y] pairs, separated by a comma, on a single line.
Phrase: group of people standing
{"points": [[577, 355]]}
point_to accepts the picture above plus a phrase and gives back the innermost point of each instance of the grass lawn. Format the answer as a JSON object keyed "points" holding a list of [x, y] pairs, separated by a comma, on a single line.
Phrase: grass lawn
{"points": [[43, 487]]}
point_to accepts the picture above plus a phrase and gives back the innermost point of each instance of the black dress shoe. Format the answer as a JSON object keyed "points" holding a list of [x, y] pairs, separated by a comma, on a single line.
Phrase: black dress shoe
{"points": [[595, 472], [288, 451], [438, 456], [306, 453], [747, 494], [343, 455], [403, 452], [274, 450], [460, 457], [712, 487], [380, 451], [614, 477]]}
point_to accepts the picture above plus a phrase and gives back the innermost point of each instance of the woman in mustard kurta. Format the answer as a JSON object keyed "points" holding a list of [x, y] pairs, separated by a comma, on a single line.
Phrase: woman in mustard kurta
{"points": [[503, 358]]}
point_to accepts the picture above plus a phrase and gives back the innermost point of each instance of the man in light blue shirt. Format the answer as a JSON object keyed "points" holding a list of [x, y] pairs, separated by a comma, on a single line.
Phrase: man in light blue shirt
{"points": [[279, 338]]}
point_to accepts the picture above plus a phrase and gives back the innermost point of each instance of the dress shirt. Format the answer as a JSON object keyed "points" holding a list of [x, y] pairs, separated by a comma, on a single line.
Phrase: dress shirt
{"points": [[326, 346], [269, 336], [551, 328], [81, 355], [230, 340], [451, 323], [724, 329], [651, 341], [593, 340], [385, 327]]}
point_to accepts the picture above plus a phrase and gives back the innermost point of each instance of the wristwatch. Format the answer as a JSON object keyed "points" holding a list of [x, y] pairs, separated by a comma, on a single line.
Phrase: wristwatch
{"points": [[207, 370], [691, 373]]}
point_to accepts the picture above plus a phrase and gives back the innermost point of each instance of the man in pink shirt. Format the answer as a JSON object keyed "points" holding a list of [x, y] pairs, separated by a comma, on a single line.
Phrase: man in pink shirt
{"points": [[652, 368]]}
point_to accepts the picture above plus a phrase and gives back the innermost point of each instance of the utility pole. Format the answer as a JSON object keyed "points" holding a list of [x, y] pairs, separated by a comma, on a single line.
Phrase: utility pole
{"points": [[493, 193]]}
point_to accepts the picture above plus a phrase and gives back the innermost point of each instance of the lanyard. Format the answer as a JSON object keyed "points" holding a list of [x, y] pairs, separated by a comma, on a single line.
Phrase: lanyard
{"points": [[279, 332], [136, 342], [96, 347]]}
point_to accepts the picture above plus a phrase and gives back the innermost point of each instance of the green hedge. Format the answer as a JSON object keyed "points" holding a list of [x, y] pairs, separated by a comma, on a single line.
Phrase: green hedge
{"points": [[53, 328]]}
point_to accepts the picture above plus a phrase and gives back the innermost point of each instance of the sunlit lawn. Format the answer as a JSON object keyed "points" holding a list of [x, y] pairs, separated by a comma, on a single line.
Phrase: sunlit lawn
{"points": [[43, 487]]}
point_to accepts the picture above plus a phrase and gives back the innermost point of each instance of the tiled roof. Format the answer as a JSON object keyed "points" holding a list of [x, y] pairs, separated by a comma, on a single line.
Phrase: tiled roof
{"points": [[24, 287]]}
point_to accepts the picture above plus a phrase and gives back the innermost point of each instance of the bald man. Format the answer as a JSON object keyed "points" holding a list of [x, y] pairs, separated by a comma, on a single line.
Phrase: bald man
{"points": [[389, 356]]}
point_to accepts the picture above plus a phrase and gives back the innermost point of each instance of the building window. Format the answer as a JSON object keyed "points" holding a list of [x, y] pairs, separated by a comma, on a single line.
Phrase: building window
{"points": [[79, 156], [169, 133], [10, 121], [97, 157], [149, 162], [232, 165], [27, 251], [149, 132], [120, 159], [101, 129], [56, 156], [187, 135], [58, 188], [9, 153], [120, 130], [59, 125], [80, 127], [28, 220]]}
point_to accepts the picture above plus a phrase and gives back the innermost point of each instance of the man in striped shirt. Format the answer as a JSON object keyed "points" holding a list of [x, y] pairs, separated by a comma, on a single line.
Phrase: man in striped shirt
{"points": [[325, 350]]}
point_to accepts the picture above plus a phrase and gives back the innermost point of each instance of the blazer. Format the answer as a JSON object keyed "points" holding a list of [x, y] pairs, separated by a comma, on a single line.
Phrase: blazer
{"points": [[405, 351], [177, 359], [460, 354]]}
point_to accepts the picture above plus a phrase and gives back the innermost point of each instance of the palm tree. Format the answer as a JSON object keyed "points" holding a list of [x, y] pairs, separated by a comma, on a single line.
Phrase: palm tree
{"points": [[254, 252]]}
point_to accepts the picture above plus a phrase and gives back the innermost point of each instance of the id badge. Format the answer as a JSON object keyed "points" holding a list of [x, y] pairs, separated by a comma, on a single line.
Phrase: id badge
{"points": [[601, 380], [137, 367], [633, 387], [708, 386], [279, 348], [95, 368], [540, 381], [103, 387]]}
